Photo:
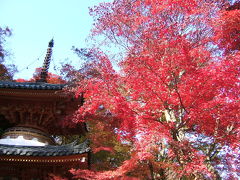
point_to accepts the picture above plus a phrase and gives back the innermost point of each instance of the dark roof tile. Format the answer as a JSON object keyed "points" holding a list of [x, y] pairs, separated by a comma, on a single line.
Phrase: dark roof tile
{"points": [[48, 150], [30, 85]]}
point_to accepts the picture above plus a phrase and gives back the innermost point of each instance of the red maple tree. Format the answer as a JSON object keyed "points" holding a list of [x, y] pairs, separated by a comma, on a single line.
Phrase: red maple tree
{"points": [[176, 99]]}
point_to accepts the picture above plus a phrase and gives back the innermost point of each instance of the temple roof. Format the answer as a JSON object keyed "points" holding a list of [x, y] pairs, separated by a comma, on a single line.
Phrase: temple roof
{"points": [[49, 150], [30, 85], [42, 105]]}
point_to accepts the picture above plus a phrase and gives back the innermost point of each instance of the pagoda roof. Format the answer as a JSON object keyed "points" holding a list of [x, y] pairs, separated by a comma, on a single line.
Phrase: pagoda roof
{"points": [[48, 150], [30, 85]]}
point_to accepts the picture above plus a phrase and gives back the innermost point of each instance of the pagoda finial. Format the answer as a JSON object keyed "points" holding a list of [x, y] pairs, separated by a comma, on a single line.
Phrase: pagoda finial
{"points": [[44, 70]]}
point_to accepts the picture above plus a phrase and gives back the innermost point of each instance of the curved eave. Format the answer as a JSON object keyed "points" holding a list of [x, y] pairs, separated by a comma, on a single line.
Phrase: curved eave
{"points": [[31, 90], [30, 85], [44, 151]]}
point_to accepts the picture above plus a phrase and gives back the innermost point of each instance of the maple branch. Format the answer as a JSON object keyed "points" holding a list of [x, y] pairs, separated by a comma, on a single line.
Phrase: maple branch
{"points": [[151, 170], [180, 99], [121, 44]]}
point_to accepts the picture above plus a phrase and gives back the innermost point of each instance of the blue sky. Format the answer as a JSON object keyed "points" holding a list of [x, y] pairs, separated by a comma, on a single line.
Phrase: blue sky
{"points": [[35, 22]]}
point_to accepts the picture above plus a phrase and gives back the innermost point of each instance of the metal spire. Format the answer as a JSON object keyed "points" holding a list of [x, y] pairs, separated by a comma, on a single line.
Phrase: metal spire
{"points": [[44, 70]]}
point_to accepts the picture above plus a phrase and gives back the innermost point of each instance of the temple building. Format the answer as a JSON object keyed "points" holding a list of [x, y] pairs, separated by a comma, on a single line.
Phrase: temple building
{"points": [[30, 115]]}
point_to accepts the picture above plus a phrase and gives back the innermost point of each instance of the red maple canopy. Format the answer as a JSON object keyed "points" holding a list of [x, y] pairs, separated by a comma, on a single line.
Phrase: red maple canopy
{"points": [[178, 86]]}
